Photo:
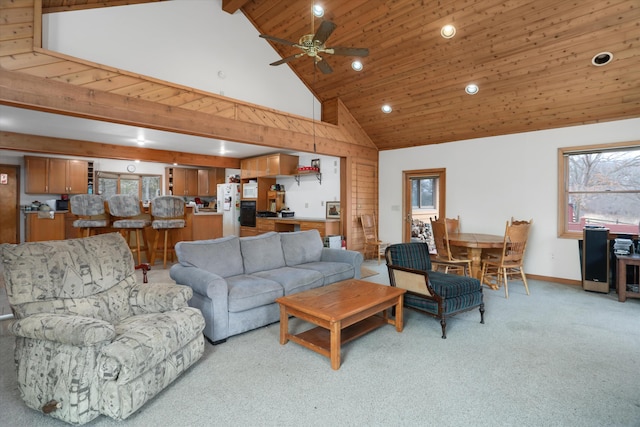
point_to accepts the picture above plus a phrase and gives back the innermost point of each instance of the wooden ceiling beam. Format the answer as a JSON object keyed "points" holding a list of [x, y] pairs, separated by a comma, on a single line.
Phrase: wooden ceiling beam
{"points": [[232, 6], [74, 147]]}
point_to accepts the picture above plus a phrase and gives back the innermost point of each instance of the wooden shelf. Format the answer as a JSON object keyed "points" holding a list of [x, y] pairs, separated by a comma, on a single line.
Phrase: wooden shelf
{"points": [[317, 173]]}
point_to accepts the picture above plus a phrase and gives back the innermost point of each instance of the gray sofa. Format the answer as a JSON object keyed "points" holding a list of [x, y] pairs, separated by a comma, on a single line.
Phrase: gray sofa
{"points": [[235, 281]]}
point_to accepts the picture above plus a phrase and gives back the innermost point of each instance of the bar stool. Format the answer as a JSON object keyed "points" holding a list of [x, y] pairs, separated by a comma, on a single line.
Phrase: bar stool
{"points": [[90, 209], [126, 208], [168, 214]]}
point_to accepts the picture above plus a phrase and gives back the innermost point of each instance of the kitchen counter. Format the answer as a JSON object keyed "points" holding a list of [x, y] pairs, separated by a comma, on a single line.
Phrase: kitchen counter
{"points": [[206, 212], [326, 227]]}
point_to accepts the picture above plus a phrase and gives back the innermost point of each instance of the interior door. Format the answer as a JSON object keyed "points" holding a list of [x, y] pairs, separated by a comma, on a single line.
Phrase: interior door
{"points": [[424, 195], [10, 207]]}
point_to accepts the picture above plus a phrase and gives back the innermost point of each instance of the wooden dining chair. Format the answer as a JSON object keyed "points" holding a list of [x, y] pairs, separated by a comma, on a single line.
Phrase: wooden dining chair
{"points": [[497, 271], [520, 221], [371, 241], [444, 260]]}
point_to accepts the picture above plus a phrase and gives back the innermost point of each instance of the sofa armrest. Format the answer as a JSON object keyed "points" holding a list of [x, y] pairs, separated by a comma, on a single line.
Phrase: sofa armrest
{"points": [[200, 281], [340, 255], [64, 328], [159, 297]]}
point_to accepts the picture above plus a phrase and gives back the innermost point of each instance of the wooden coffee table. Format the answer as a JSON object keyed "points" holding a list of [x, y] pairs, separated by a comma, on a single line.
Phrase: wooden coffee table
{"points": [[343, 312]]}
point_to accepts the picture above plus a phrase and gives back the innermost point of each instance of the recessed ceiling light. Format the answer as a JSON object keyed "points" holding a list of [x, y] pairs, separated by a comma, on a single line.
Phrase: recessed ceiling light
{"points": [[356, 65], [318, 10], [448, 31], [602, 58], [386, 108], [472, 89]]}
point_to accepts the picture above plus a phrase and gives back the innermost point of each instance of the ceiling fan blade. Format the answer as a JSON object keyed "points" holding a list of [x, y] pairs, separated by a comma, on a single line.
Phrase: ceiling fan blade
{"points": [[324, 31], [323, 66], [348, 51], [276, 39], [287, 59]]}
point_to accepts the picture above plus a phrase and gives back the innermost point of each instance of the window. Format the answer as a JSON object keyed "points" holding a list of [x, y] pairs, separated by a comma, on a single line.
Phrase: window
{"points": [[600, 185], [146, 187], [423, 192]]}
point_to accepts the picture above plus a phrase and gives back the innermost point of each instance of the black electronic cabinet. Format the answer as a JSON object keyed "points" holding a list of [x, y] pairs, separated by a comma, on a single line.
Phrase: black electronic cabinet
{"points": [[595, 259]]}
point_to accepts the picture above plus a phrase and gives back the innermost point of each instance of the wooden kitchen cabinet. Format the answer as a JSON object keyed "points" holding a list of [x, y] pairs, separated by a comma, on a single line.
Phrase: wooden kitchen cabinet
{"points": [[208, 180], [269, 166], [56, 176], [68, 176], [36, 178], [281, 164], [265, 225], [249, 168], [42, 229], [248, 231], [182, 181]]}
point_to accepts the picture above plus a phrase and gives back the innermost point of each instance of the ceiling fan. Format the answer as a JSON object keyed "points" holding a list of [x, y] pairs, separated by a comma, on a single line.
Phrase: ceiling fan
{"points": [[314, 44]]}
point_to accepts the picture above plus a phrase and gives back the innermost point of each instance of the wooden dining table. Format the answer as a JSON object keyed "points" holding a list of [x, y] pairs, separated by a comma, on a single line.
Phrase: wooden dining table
{"points": [[476, 243]]}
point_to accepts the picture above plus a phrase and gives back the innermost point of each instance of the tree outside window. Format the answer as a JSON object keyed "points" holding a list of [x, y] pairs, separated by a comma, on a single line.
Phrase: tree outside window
{"points": [[145, 187], [601, 186]]}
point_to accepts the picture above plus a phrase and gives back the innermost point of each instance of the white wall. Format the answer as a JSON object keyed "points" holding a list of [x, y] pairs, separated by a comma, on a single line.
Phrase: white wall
{"points": [[186, 42], [308, 199], [489, 180]]}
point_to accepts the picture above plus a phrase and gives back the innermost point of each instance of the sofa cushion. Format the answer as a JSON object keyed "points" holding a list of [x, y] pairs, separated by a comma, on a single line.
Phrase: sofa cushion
{"points": [[331, 271], [220, 256], [263, 252], [301, 246], [293, 279], [247, 292]]}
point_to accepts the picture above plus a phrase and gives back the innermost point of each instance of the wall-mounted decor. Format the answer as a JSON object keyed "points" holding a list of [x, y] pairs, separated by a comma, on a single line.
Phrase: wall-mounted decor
{"points": [[333, 210]]}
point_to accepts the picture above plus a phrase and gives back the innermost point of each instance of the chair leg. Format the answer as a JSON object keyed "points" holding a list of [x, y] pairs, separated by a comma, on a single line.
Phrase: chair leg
{"points": [[506, 284], [524, 279], [154, 249], [443, 323], [482, 313], [146, 243], [166, 248], [137, 232]]}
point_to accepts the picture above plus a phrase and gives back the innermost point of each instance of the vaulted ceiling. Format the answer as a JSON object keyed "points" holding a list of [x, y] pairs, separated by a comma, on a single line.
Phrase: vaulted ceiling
{"points": [[531, 59]]}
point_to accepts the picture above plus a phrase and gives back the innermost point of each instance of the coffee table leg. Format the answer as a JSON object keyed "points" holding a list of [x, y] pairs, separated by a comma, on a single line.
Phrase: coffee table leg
{"points": [[335, 345], [284, 325], [400, 314]]}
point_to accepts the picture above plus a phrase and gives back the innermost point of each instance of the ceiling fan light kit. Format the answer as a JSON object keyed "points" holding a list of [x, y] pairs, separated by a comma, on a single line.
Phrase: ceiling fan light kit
{"points": [[314, 44]]}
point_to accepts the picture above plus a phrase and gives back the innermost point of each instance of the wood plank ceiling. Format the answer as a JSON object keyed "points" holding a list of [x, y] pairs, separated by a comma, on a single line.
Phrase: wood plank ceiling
{"points": [[530, 58]]}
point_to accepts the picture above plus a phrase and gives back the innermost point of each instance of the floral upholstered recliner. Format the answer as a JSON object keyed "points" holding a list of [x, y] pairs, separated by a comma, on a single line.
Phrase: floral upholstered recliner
{"points": [[89, 339]]}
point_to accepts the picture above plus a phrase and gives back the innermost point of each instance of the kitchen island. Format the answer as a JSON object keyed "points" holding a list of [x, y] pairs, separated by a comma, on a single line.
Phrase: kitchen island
{"points": [[201, 225]]}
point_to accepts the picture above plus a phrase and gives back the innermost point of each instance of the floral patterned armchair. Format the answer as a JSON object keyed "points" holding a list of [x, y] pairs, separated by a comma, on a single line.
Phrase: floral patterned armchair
{"points": [[89, 339]]}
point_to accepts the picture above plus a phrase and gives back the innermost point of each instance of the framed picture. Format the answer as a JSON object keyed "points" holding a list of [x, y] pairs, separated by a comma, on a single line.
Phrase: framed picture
{"points": [[333, 210]]}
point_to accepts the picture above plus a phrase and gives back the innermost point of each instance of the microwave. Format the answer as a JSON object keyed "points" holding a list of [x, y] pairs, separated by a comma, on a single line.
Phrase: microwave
{"points": [[250, 190]]}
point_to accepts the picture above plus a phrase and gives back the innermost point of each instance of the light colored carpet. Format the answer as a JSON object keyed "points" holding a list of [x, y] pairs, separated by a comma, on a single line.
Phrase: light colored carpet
{"points": [[560, 357]]}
